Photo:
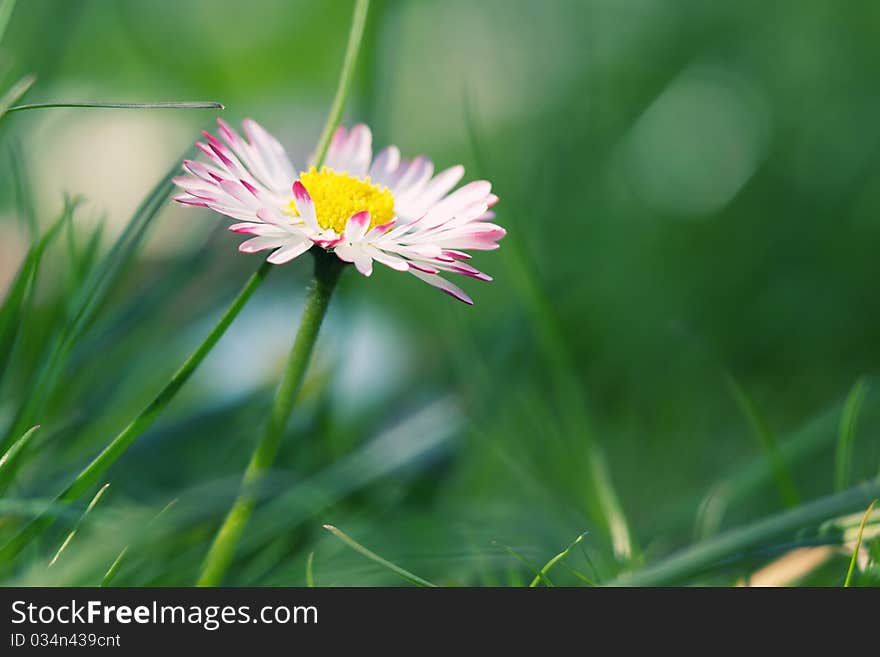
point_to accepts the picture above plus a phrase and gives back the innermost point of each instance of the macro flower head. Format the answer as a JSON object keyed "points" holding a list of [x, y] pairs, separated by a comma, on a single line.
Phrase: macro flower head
{"points": [[363, 209]]}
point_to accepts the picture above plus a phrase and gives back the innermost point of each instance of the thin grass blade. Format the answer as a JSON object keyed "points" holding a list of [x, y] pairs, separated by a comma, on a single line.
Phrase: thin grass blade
{"points": [[14, 94], [559, 557], [372, 556], [6, 9], [855, 554], [528, 564], [79, 523], [846, 433], [11, 454], [24, 202], [310, 570], [116, 566], [767, 440]]}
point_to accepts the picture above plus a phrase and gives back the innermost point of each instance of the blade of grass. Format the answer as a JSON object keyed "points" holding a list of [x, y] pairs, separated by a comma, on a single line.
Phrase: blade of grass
{"points": [[102, 105], [528, 564], [310, 570], [114, 568], [11, 454], [704, 556], [372, 556], [14, 93], [355, 35], [79, 523], [846, 433], [855, 554], [767, 440], [559, 557], [6, 9], [24, 202]]}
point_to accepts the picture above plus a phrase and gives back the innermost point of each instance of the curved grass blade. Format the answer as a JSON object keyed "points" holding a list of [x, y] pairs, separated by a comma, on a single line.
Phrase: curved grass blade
{"points": [[767, 440], [846, 433], [559, 557], [6, 461], [855, 554], [372, 556], [101, 105], [79, 523]]}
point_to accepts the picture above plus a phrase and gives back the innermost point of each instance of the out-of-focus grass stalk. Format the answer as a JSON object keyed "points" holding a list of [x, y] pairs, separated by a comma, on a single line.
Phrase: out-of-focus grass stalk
{"points": [[767, 440], [116, 566], [327, 270], [15, 92], [5, 14], [355, 36], [603, 502], [846, 433], [310, 570], [704, 556]]}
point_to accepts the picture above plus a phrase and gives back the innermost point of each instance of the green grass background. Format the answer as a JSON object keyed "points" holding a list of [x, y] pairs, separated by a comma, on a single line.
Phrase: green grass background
{"points": [[687, 294]]}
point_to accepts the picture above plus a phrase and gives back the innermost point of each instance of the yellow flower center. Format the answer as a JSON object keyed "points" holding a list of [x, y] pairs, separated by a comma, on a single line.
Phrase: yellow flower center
{"points": [[337, 196]]}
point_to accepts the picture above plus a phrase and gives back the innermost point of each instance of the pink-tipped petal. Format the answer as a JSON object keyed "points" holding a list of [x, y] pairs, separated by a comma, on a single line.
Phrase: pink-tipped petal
{"points": [[356, 227], [305, 206], [443, 285]]}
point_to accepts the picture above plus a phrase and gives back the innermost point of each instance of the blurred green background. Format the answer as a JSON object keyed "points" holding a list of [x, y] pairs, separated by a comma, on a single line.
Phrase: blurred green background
{"points": [[692, 196]]}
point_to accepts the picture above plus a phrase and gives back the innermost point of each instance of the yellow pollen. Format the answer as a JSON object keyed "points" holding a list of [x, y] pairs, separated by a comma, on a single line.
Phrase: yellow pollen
{"points": [[337, 196]]}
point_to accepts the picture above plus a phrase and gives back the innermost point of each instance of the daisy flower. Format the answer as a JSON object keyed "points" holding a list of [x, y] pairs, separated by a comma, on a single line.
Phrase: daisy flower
{"points": [[362, 209]]}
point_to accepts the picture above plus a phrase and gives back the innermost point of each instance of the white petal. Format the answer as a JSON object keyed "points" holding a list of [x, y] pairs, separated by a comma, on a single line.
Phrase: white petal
{"points": [[289, 252]]}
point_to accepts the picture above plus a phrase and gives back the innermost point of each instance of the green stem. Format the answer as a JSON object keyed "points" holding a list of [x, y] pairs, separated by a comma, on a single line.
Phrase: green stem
{"points": [[355, 36], [92, 472], [704, 556], [327, 270]]}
